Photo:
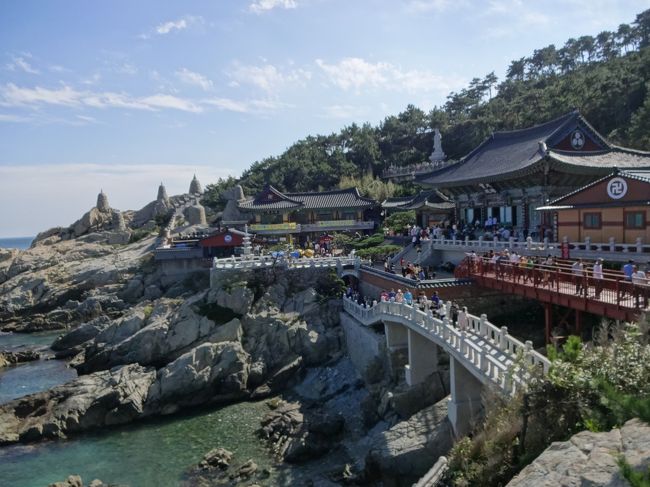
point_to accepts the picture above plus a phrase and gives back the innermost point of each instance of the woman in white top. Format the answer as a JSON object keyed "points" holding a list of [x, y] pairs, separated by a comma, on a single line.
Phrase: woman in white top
{"points": [[463, 319]]}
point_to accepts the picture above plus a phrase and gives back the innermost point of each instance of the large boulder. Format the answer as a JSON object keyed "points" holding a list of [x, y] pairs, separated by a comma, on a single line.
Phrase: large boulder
{"points": [[590, 459], [409, 449], [211, 372]]}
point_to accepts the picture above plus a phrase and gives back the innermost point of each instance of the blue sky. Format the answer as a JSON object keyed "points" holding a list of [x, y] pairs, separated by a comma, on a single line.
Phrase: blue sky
{"points": [[120, 95]]}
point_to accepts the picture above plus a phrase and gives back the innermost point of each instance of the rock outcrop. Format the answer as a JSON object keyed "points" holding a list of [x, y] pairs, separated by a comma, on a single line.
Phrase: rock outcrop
{"points": [[12, 358], [409, 449], [590, 459], [76, 481]]}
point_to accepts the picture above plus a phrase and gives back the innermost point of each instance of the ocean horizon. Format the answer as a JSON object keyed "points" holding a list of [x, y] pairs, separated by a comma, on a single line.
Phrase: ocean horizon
{"points": [[20, 243]]}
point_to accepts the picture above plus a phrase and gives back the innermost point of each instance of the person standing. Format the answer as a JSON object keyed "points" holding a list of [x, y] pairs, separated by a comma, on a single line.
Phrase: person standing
{"points": [[578, 270], [597, 274], [640, 283]]}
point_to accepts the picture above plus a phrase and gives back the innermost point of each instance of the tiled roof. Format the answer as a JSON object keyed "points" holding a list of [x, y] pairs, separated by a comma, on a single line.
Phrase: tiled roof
{"points": [[429, 198], [620, 158], [502, 153], [343, 198]]}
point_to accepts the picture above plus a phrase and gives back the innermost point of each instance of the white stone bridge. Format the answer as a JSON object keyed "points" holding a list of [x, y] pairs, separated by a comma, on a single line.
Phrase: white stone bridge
{"points": [[482, 354]]}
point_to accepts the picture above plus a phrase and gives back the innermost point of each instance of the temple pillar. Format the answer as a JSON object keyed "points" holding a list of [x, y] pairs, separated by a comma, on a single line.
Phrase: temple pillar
{"points": [[423, 358], [465, 406]]}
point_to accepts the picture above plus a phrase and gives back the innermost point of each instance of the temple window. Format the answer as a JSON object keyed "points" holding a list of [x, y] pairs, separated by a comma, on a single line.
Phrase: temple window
{"points": [[635, 220], [592, 221]]}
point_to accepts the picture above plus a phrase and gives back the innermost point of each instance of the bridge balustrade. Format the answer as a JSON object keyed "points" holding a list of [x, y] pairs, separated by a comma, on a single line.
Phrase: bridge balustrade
{"points": [[486, 348]]}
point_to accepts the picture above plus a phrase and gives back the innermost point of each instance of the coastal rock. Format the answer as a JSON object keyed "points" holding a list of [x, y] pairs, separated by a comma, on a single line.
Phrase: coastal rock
{"points": [[218, 458], [589, 459], [76, 481], [12, 358], [238, 299], [297, 434], [80, 335], [409, 449], [208, 373], [105, 398]]}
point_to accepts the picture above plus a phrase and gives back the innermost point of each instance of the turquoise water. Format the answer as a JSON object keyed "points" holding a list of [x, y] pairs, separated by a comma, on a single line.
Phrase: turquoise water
{"points": [[152, 453], [21, 243], [30, 377]]}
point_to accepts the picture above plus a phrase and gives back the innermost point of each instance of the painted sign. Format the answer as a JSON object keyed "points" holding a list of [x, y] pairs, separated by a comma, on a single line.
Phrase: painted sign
{"points": [[616, 188], [260, 227], [228, 238]]}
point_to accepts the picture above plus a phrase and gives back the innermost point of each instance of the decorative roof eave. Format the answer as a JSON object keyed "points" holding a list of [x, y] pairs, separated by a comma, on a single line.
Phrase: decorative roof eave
{"points": [[614, 204], [530, 169]]}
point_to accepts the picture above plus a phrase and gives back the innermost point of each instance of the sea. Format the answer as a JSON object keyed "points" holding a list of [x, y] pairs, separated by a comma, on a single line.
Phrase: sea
{"points": [[21, 243]]}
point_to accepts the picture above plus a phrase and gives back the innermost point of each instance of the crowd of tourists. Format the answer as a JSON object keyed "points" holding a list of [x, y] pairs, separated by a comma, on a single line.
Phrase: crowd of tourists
{"points": [[520, 268], [433, 306]]}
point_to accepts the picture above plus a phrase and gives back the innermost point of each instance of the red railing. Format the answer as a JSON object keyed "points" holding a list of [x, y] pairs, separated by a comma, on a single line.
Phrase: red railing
{"points": [[561, 278]]}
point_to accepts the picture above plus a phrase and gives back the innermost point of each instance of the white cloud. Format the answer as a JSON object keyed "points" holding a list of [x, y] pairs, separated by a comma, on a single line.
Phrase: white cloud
{"points": [[261, 6], [356, 73], [266, 77], [12, 95], [173, 25], [9, 118], [19, 63], [40, 187], [258, 106], [196, 79], [92, 80]]}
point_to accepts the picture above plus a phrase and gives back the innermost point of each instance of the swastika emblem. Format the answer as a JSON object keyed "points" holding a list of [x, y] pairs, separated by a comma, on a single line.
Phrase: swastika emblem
{"points": [[616, 188]]}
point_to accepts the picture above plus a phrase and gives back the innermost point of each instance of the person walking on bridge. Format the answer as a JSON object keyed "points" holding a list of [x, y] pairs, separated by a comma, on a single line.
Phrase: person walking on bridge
{"points": [[597, 274], [640, 283], [578, 270]]}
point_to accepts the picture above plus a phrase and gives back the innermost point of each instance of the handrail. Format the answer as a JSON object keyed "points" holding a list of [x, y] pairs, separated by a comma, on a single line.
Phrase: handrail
{"points": [[612, 288], [505, 373], [264, 261]]}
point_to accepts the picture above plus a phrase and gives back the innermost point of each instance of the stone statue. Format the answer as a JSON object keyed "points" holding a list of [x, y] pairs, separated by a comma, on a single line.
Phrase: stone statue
{"points": [[437, 154], [162, 194], [102, 202], [195, 186]]}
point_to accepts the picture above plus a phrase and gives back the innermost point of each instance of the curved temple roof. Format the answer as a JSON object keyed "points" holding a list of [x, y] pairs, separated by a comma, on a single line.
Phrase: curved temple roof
{"points": [[272, 199]]}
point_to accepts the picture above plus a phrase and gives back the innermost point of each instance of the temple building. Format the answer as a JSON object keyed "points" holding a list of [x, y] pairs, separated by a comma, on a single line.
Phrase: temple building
{"points": [[431, 207], [307, 215], [616, 206], [508, 176]]}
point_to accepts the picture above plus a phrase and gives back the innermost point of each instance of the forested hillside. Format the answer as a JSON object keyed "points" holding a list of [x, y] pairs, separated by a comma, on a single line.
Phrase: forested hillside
{"points": [[607, 77]]}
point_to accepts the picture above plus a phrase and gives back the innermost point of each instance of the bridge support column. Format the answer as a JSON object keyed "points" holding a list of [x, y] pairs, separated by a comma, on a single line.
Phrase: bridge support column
{"points": [[423, 358], [396, 336], [548, 321], [464, 406]]}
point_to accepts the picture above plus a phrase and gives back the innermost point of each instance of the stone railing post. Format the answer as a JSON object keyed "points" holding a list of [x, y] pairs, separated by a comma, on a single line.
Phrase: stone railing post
{"points": [[502, 337], [484, 330], [612, 244], [480, 241], [639, 245], [466, 240], [529, 242], [529, 348], [587, 243], [545, 242], [495, 240], [511, 242], [445, 329]]}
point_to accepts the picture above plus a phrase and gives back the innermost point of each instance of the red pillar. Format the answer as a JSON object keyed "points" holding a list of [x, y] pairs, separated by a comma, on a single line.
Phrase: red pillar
{"points": [[578, 322]]}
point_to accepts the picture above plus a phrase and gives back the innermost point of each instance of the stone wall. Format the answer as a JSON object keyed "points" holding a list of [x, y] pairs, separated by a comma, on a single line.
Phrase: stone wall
{"points": [[366, 348]]}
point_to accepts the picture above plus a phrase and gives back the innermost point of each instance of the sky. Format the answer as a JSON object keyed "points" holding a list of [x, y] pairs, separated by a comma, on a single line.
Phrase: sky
{"points": [[122, 95]]}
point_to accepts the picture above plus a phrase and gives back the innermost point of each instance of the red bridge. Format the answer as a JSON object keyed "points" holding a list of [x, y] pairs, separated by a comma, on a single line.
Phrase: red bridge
{"points": [[612, 296]]}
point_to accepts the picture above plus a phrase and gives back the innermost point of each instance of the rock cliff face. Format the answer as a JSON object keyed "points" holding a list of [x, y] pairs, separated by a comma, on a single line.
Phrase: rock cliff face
{"points": [[160, 356], [589, 459]]}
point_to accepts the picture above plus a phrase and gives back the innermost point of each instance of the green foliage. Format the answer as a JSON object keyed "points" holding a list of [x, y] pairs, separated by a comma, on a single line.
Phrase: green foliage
{"points": [[368, 242], [330, 286], [163, 220], [634, 477], [213, 194], [379, 253], [137, 235], [572, 349], [399, 220], [369, 186], [218, 314], [148, 309]]}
